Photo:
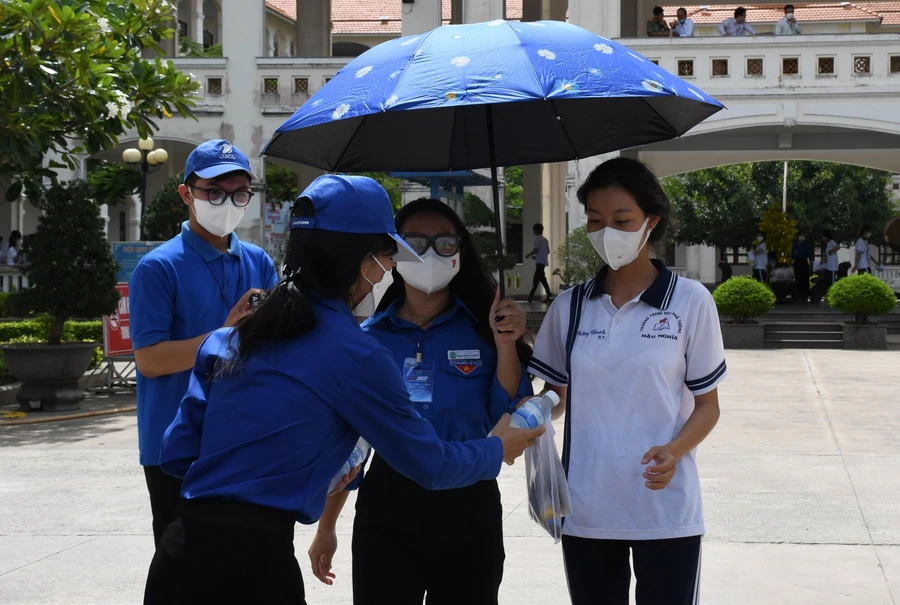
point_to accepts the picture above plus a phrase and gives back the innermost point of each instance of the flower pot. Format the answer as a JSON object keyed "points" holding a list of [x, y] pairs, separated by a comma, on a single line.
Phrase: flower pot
{"points": [[743, 336], [871, 337], [50, 373]]}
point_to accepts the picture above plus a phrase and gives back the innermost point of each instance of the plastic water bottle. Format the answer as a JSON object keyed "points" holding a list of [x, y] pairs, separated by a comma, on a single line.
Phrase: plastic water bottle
{"points": [[535, 411], [357, 457]]}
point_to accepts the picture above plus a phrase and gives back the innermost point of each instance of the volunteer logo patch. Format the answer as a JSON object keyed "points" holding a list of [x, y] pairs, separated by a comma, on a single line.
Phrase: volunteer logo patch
{"points": [[466, 366]]}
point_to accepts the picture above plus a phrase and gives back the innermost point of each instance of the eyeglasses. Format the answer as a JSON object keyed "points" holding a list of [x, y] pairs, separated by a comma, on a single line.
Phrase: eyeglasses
{"points": [[444, 244], [217, 197]]}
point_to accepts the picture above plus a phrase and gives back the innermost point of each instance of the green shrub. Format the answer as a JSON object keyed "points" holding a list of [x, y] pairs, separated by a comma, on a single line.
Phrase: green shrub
{"points": [[862, 296], [742, 298], [86, 331]]}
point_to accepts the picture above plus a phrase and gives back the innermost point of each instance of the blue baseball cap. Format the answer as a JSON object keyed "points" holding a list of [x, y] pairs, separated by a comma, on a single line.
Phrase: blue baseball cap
{"points": [[352, 204], [215, 158]]}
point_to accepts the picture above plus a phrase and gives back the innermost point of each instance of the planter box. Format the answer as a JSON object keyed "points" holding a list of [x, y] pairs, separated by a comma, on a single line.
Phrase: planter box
{"points": [[743, 336], [869, 337], [50, 374]]}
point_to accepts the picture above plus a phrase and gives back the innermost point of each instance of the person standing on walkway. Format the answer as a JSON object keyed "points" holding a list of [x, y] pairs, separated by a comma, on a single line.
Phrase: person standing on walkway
{"points": [[760, 258], [541, 256], [636, 356], [831, 257], [442, 321], [195, 283], [802, 254], [862, 261], [276, 405]]}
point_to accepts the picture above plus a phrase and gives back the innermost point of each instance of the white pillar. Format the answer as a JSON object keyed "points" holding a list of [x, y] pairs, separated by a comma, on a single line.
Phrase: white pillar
{"points": [[420, 17], [104, 214], [479, 11], [709, 265], [134, 219], [196, 22], [603, 17], [692, 270], [313, 37], [554, 213]]}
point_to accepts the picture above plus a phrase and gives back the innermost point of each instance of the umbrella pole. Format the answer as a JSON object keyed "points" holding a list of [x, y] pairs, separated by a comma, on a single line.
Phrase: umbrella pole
{"points": [[495, 189]]}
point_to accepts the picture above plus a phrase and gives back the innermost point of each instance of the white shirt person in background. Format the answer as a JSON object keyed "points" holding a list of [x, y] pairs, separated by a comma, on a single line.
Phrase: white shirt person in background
{"points": [[787, 25], [831, 256], [861, 261], [13, 253], [682, 27], [761, 258], [737, 25]]}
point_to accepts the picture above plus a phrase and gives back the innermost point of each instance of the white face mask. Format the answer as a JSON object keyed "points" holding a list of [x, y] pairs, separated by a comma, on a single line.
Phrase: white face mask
{"points": [[367, 306], [218, 220], [790, 16], [759, 238], [801, 238], [619, 248], [432, 275]]}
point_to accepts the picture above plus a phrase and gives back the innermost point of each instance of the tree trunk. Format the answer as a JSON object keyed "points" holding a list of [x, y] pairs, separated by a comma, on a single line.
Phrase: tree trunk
{"points": [[59, 323]]}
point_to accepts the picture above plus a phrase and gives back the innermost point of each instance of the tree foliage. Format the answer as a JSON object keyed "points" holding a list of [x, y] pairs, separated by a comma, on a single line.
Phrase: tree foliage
{"points": [[165, 213], [73, 80], [112, 181], [390, 184], [71, 266], [723, 206], [743, 298], [479, 220], [780, 232], [513, 200], [281, 184], [580, 262]]}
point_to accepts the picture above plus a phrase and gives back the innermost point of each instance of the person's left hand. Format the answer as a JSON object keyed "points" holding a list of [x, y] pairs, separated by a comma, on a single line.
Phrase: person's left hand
{"points": [[345, 481], [507, 320], [659, 475]]}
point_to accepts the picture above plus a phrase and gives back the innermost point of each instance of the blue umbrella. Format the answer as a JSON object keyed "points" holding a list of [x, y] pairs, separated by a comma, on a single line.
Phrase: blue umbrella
{"points": [[486, 95]]}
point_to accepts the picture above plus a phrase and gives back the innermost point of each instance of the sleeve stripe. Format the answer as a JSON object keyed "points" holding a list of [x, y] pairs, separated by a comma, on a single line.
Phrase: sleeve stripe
{"points": [[702, 383], [542, 367]]}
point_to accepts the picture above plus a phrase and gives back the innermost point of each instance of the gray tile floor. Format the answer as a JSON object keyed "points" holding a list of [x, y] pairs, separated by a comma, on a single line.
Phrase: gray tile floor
{"points": [[800, 483]]}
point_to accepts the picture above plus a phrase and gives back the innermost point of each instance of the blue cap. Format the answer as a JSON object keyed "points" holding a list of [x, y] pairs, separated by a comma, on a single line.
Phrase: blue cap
{"points": [[352, 204], [215, 158]]}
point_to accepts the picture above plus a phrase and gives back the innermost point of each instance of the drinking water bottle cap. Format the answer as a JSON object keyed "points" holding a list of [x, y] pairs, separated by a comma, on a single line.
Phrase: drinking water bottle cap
{"points": [[552, 396]]}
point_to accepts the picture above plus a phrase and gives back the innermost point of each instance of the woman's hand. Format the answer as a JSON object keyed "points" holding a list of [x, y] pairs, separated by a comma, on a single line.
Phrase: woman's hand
{"points": [[507, 320], [345, 481], [321, 553], [515, 441], [659, 475]]}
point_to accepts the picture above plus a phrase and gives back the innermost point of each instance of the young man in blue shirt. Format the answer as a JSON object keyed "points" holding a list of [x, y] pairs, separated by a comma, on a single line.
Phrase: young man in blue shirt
{"points": [[195, 283]]}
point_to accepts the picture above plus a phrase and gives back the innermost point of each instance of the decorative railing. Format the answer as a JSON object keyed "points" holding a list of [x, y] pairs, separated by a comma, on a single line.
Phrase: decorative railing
{"points": [[12, 278]]}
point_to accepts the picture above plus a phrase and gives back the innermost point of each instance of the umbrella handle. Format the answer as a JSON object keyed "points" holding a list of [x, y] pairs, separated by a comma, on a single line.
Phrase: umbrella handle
{"points": [[495, 190]]}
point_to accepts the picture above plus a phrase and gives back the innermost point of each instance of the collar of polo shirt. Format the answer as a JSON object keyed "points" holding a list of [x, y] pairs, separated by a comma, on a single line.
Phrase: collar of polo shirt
{"points": [[658, 295]]}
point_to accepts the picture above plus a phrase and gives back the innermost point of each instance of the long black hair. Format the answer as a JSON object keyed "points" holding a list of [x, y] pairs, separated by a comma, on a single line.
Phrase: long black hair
{"points": [[317, 262], [474, 285]]}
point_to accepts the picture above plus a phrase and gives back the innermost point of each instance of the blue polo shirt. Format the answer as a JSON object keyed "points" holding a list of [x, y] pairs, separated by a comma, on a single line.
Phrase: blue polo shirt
{"points": [[467, 399], [183, 289], [277, 432]]}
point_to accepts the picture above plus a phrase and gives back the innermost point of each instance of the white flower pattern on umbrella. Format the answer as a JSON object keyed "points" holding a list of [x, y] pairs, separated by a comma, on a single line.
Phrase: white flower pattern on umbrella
{"points": [[394, 75], [606, 49], [410, 41], [457, 37], [363, 71], [391, 101], [547, 54], [498, 77], [460, 61], [341, 111], [653, 86], [317, 102]]}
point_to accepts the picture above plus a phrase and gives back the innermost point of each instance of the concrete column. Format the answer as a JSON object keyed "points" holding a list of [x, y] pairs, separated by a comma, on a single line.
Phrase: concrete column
{"points": [[533, 10], [603, 17], [554, 212], [692, 269], [104, 214], [313, 38], [133, 212], [196, 23], [456, 12], [709, 265], [555, 10], [423, 16], [479, 11]]}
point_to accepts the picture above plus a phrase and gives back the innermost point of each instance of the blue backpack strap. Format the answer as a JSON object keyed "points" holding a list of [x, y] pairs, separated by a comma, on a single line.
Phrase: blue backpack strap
{"points": [[574, 319]]}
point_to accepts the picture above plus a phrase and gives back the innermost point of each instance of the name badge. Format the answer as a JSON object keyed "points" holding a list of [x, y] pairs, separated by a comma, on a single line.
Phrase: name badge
{"points": [[464, 354], [419, 379]]}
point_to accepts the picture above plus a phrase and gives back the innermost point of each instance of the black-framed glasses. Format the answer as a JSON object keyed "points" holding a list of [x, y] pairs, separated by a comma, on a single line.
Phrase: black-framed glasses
{"points": [[444, 244], [217, 197]]}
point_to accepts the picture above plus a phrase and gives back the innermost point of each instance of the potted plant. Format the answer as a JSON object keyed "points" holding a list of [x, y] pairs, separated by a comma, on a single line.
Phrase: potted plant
{"points": [[72, 274], [742, 299], [862, 296]]}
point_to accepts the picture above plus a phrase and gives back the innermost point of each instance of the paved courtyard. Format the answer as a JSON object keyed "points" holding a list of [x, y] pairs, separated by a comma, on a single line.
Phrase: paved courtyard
{"points": [[800, 484]]}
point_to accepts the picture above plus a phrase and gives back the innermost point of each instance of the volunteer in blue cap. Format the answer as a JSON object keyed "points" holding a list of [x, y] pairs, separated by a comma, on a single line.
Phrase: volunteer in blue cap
{"points": [[276, 405], [195, 283], [461, 349]]}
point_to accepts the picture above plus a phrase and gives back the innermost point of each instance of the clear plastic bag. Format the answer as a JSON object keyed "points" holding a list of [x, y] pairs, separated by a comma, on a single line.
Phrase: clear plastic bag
{"points": [[548, 490]]}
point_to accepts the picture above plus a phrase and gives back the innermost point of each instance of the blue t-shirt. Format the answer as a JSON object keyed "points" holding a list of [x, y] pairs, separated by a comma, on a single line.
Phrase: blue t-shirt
{"points": [[276, 432], [183, 289], [467, 399]]}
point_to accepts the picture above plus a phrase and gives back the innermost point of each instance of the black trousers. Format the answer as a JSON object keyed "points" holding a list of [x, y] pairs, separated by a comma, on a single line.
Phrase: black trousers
{"points": [[759, 275], [667, 571], [165, 496], [861, 271], [224, 552], [801, 277], [540, 278], [410, 544]]}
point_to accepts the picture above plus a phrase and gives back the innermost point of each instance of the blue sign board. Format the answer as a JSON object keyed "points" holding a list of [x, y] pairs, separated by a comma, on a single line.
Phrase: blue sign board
{"points": [[128, 255]]}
